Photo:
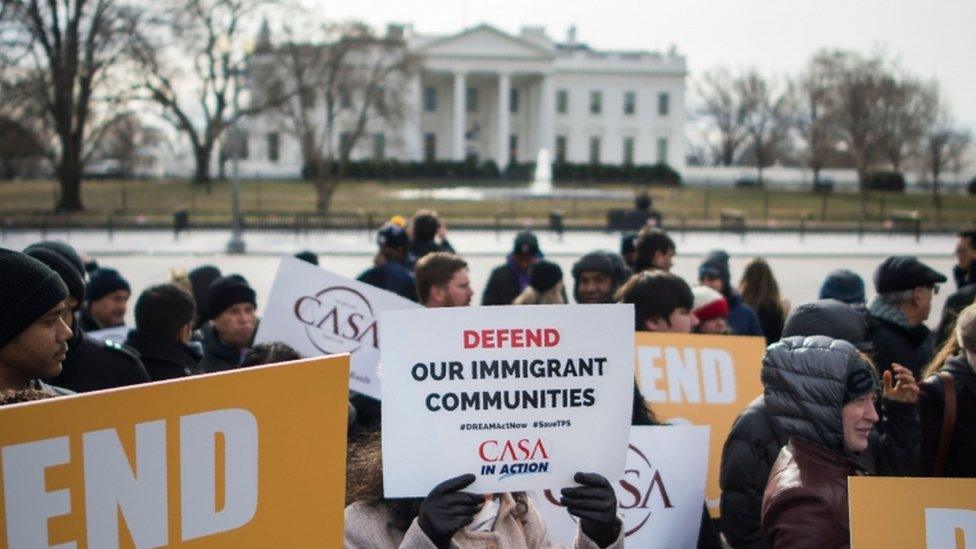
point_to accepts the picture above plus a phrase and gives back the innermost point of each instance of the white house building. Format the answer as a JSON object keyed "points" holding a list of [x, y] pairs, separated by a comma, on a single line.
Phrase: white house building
{"points": [[487, 94]]}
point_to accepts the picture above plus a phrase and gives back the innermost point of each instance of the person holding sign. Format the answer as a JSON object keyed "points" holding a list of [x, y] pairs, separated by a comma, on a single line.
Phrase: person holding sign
{"points": [[663, 302], [821, 392], [451, 517]]}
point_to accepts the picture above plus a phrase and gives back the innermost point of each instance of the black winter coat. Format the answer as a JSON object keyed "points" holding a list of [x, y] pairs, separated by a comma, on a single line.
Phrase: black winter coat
{"points": [[165, 358], [955, 303], [892, 343], [218, 357], [960, 461], [754, 443], [771, 319], [502, 287], [92, 365]]}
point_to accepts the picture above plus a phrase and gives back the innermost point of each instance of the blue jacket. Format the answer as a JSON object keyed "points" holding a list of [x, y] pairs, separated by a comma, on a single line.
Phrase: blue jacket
{"points": [[742, 319]]}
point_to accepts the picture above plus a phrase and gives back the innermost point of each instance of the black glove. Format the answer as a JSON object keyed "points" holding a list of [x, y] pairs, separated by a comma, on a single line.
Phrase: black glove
{"points": [[446, 510], [595, 504]]}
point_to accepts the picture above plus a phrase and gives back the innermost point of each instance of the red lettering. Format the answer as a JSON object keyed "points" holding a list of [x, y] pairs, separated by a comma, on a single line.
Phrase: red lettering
{"points": [[470, 339], [507, 450], [539, 448], [523, 446], [552, 337], [533, 338], [502, 336], [481, 449], [518, 338], [488, 339]]}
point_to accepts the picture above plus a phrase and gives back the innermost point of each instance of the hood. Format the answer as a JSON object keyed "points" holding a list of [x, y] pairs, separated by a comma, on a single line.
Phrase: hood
{"points": [[805, 379], [828, 317]]}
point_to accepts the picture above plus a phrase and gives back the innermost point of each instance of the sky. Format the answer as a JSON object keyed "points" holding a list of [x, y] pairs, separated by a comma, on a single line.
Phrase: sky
{"points": [[933, 39]]}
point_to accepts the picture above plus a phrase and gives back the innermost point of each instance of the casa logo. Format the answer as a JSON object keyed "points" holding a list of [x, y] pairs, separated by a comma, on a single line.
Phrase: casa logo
{"points": [[505, 458], [640, 493], [338, 320]]}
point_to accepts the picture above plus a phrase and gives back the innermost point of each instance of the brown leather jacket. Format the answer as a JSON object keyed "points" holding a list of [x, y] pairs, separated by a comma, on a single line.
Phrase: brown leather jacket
{"points": [[805, 504]]}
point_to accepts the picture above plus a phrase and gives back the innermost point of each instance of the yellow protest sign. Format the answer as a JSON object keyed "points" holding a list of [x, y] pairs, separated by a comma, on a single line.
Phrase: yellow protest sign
{"points": [[929, 513], [247, 458], [702, 380]]}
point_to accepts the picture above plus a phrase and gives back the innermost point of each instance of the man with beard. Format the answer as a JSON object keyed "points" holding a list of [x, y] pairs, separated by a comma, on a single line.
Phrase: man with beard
{"points": [[443, 281], [226, 338], [91, 364], [106, 300], [597, 275], [964, 274]]}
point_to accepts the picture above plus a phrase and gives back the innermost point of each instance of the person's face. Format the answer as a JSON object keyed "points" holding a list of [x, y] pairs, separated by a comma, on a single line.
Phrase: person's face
{"points": [[39, 350], [68, 316], [456, 293], [235, 325], [110, 310], [681, 321], [965, 254], [524, 261], [594, 287], [712, 282], [923, 301], [715, 326], [859, 417], [663, 260]]}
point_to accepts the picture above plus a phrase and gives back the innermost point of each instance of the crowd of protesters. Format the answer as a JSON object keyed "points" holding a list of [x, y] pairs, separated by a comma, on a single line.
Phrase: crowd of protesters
{"points": [[851, 386]]}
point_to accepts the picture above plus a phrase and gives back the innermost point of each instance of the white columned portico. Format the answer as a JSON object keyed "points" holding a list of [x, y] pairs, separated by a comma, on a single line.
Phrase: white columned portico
{"points": [[547, 138], [504, 96], [460, 92]]}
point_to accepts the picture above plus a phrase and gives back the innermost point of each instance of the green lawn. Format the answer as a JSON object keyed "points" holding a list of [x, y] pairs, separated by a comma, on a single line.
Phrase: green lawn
{"points": [[156, 200]]}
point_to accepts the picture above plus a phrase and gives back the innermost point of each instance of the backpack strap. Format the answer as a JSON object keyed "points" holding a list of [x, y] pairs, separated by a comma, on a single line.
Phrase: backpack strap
{"points": [[948, 422]]}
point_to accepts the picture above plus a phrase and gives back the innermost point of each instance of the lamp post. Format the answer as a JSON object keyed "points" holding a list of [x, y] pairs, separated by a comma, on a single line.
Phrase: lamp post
{"points": [[236, 243]]}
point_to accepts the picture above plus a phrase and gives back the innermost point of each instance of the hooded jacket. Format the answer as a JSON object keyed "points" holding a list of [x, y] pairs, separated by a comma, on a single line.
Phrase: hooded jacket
{"points": [[92, 364], [505, 283], [897, 342], [165, 358], [805, 501], [754, 442]]}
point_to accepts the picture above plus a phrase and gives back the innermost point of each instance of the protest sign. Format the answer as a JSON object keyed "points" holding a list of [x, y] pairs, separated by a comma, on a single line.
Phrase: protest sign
{"points": [[117, 334], [318, 312], [703, 380], [246, 458], [930, 513], [521, 396], [659, 497]]}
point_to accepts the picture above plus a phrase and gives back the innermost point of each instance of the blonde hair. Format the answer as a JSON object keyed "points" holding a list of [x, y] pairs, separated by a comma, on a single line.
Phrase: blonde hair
{"points": [[963, 338], [552, 296]]}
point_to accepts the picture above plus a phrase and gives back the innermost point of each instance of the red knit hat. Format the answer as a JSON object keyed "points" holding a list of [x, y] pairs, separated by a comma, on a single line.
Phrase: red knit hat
{"points": [[709, 304]]}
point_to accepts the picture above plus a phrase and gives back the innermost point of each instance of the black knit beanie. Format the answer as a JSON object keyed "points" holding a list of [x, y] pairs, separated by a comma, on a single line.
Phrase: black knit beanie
{"points": [[200, 280], [65, 261], [544, 275], [103, 282], [227, 291], [28, 290]]}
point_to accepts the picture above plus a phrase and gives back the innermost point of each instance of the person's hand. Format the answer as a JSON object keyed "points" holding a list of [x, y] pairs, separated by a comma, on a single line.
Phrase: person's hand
{"points": [[900, 385], [595, 503], [447, 509]]}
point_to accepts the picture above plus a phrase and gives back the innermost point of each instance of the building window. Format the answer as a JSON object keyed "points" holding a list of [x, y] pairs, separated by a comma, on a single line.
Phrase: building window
{"points": [[273, 146], [471, 100], [596, 102], [594, 150], [513, 100], [561, 149], [562, 101], [630, 102], [430, 147], [628, 151], [236, 143], [662, 150], [663, 101], [513, 149], [430, 99], [379, 146]]}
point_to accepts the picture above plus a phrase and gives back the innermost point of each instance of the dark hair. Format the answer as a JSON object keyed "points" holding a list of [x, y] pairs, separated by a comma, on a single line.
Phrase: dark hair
{"points": [[655, 295], [425, 225], [436, 269], [758, 286], [164, 309], [650, 240], [970, 235], [270, 353]]}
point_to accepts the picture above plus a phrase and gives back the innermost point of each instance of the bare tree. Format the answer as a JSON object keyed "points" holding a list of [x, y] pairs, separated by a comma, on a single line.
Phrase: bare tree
{"points": [[337, 86], [67, 50], [125, 138], [767, 119], [906, 106], [812, 115], [945, 145], [724, 113], [193, 60]]}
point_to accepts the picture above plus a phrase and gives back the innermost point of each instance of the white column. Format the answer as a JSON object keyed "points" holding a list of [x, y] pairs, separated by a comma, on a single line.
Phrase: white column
{"points": [[504, 87], [547, 115], [460, 91], [413, 137]]}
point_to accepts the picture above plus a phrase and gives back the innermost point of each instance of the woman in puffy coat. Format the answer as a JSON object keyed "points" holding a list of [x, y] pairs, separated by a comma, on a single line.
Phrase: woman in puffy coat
{"points": [[821, 392]]}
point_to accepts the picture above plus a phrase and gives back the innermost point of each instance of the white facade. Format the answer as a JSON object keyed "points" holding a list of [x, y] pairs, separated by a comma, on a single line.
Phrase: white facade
{"points": [[487, 94]]}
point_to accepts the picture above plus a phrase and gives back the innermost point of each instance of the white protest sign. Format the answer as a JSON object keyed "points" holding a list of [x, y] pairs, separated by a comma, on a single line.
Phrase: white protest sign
{"points": [[318, 312], [660, 495], [521, 396], [117, 334]]}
